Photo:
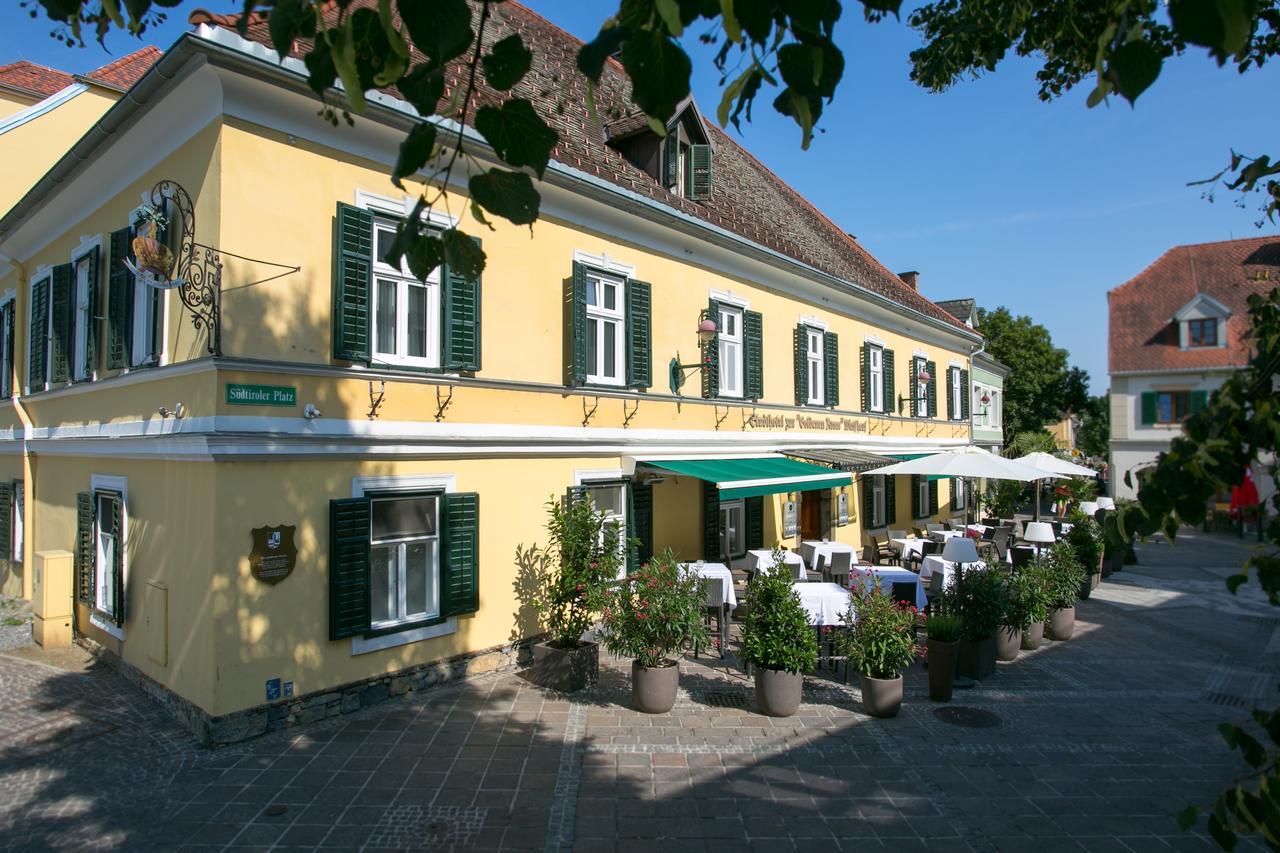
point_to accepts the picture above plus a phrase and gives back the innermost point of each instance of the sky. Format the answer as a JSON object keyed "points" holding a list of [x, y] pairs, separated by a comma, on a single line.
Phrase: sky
{"points": [[985, 190]]}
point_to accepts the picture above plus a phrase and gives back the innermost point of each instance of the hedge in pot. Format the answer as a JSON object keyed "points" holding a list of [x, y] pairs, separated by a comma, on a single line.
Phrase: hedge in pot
{"points": [[1065, 575], [880, 642], [1085, 536], [652, 615], [980, 602], [777, 640], [1035, 595], [583, 554], [943, 629]]}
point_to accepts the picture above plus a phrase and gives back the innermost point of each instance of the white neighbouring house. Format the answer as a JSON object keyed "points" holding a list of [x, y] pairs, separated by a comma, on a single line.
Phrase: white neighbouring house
{"points": [[1177, 330]]}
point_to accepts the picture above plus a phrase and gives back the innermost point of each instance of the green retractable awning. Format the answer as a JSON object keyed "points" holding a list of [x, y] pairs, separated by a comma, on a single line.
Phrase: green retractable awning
{"points": [[746, 478]]}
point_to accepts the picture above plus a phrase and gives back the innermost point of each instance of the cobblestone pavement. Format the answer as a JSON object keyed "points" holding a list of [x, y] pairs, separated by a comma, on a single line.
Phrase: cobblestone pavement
{"points": [[1096, 743]]}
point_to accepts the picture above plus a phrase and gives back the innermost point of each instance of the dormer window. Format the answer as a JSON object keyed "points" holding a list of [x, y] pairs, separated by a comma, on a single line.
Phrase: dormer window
{"points": [[1202, 333], [1201, 323], [680, 161]]}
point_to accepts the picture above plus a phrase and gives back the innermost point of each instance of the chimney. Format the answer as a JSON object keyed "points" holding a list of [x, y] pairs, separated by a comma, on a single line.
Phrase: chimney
{"points": [[911, 279]]}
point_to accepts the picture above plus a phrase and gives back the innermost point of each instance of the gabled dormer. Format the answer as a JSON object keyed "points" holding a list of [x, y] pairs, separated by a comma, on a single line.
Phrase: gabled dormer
{"points": [[1202, 323], [681, 160]]}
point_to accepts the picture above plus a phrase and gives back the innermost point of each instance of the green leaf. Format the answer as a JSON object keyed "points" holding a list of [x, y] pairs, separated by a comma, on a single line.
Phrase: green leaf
{"points": [[462, 253], [732, 31], [1198, 22], [441, 29], [415, 151], [731, 92], [342, 51], [669, 11], [507, 63], [321, 73], [518, 134], [423, 87], [285, 23], [396, 59], [1187, 817], [508, 194], [425, 253], [593, 55], [1135, 65], [659, 70]]}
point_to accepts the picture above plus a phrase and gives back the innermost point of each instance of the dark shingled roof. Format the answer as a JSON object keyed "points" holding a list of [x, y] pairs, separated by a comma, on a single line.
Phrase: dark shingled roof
{"points": [[1143, 335], [747, 198], [961, 309]]}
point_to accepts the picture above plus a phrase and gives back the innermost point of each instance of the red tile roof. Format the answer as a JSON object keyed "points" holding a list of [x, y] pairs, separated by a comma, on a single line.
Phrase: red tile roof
{"points": [[37, 81], [126, 71], [1143, 335], [747, 198]]}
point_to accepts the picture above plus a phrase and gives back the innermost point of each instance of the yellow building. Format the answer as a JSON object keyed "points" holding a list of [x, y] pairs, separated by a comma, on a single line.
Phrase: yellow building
{"points": [[295, 391]]}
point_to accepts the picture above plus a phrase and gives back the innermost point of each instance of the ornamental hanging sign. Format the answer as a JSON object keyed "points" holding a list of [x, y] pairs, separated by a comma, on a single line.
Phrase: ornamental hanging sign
{"points": [[274, 554]]}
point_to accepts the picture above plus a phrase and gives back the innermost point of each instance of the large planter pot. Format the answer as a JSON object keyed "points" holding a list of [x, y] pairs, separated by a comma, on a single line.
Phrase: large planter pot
{"points": [[777, 691], [1061, 624], [1008, 642], [653, 688], [976, 659], [565, 670], [1089, 584], [1033, 636], [942, 670], [881, 697]]}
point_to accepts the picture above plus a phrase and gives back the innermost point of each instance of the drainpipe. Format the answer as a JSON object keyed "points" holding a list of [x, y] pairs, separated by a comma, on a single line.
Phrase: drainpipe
{"points": [[28, 463]]}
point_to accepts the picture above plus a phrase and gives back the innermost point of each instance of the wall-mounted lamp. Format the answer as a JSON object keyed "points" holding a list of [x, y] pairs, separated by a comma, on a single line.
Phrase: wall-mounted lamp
{"points": [[923, 377], [706, 337], [178, 412], [310, 412]]}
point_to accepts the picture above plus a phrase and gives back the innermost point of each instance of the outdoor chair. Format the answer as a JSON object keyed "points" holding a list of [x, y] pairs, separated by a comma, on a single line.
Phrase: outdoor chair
{"points": [[806, 553], [904, 593], [820, 566], [991, 522], [1022, 556], [838, 571], [896, 534], [946, 525], [882, 550], [716, 608], [933, 527], [927, 547], [920, 532], [1000, 542]]}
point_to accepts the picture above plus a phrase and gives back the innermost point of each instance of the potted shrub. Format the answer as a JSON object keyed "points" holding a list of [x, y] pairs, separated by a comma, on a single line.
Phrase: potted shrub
{"points": [[777, 640], [583, 554], [1024, 607], [880, 641], [942, 628], [651, 616], [1037, 597], [1065, 574], [980, 602], [1085, 536]]}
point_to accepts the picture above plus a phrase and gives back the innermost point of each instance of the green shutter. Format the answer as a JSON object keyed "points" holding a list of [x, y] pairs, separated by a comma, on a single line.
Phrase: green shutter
{"points": [[933, 497], [632, 540], [831, 365], [10, 312], [868, 501], [951, 414], [753, 353], [348, 567], [671, 159], [120, 284], [965, 393], [710, 521], [1148, 407], [155, 335], [460, 320], [891, 500], [916, 509], [577, 325], [352, 268], [117, 565], [38, 348], [94, 313], [710, 356], [932, 388], [62, 337], [639, 373], [753, 509], [864, 370], [461, 553], [84, 548], [914, 386], [642, 509], [1199, 399], [700, 159], [800, 345], [6, 521], [886, 363]]}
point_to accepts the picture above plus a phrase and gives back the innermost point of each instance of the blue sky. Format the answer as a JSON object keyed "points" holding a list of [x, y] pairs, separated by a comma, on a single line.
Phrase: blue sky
{"points": [[985, 190]]}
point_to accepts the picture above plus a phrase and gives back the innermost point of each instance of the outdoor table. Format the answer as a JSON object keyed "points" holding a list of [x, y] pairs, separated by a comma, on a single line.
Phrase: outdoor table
{"points": [[982, 530], [824, 602], [934, 564], [906, 547], [887, 576], [762, 558], [944, 535], [720, 596], [826, 549]]}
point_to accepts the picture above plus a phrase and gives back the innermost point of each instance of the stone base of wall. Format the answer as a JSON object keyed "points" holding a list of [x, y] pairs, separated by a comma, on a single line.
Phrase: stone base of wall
{"points": [[320, 705]]}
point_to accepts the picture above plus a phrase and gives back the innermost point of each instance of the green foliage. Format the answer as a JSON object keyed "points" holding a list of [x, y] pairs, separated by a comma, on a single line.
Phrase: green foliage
{"points": [[881, 636], [1093, 437], [654, 613], [1029, 595], [583, 554], [1004, 496], [1037, 386], [1085, 539], [1031, 441], [1065, 575], [978, 598], [777, 634], [943, 625]]}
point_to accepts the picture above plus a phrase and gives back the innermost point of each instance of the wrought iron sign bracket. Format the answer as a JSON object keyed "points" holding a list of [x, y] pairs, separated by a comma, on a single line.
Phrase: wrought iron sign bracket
{"points": [[443, 403], [375, 402], [587, 415], [748, 420], [628, 414], [720, 419]]}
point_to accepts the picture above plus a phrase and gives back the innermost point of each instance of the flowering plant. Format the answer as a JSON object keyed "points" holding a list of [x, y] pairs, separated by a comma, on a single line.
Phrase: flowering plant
{"points": [[882, 641], [654, 613]]}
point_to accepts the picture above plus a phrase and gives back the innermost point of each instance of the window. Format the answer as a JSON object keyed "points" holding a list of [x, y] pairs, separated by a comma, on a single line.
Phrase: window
{"points": [[976, 406], [957, 493], [922, 390], [687, 163], [606, 322], [100, 552], [6, 348], [406, 311], [85, 270], [730, 354], [877, 501], [19, 519], [875, 365], [733, 529], [105, 563], [923, 491], [816, 367], [957, 395], [404, 560], [1172, 406], [611, 499], [1202, 333], [993, 411]]}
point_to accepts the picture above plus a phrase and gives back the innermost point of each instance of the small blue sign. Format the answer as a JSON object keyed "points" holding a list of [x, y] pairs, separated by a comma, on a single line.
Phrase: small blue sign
{"points": [[288, 690], [273, 689]]}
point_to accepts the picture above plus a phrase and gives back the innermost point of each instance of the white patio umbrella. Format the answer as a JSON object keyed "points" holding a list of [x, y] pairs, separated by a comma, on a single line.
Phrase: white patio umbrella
{"points": [[967, 461], [1051, 466]]}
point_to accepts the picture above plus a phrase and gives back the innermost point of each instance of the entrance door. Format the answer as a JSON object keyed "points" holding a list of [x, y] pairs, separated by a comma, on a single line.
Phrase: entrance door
{"points": [[733, 529], [810, 516]]}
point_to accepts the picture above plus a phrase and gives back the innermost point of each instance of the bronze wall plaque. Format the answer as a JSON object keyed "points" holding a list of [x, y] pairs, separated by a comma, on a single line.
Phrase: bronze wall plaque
{"points": [[274, 554]]}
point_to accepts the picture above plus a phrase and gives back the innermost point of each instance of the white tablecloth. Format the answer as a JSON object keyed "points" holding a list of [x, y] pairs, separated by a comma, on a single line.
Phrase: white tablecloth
{"points": [[763, 559], [982, 529], [887, 576], [824, 602], [716, 570], [826, 549], [933, 564], [907, 547], [944, 535]]}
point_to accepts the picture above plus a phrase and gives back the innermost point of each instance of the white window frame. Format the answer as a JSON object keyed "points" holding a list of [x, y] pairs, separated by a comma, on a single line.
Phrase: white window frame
{"points": [[878, 509], [922, 485], [922, 388], [118, 485], [403, 279], [731, 349], [619, 517], [82, 314], [957, 395], [616, 316], [993, 410], [960, 489], [402, 616], [875, 374], [138, 355], [19, 519], [815, 364], [731, 536]]}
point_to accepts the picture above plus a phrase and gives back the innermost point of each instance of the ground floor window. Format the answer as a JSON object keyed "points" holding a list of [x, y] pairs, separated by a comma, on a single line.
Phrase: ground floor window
{"points": [[733, 529], [19, 520], [611, 499], [877, 502], [100, 542], [404, 560], [958, 494]]}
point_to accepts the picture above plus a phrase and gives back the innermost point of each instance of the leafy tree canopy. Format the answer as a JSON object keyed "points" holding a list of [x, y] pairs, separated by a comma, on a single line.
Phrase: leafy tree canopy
{"points": [[1093, 438]]}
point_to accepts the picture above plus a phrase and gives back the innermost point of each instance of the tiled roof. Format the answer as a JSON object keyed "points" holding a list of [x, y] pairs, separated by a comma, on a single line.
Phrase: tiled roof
{"points": [[126, 71], [961, 309], [747, 198], [1143, 335], [34, 80]]}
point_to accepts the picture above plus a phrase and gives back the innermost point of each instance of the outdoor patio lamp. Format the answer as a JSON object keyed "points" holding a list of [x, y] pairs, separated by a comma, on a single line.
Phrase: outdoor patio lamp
{"points": [[1089, 508], [706, 337], [922, 378], [960, 550]]}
